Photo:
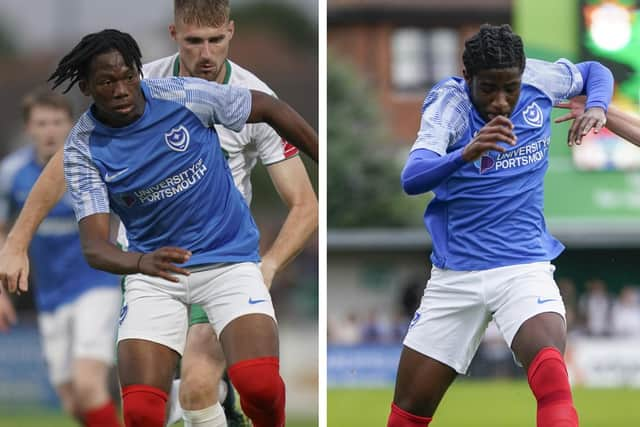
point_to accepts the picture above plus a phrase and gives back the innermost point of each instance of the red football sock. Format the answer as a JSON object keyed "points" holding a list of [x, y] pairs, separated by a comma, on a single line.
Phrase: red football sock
{"points": [[261, 390], [143, 406], [401, 418], [549, 382], [102, 416]]}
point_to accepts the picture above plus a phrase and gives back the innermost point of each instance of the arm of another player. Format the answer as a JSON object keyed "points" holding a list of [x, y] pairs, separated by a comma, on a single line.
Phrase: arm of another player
{"points": [[284, 120], [103, 255], [292, 183], [47, 191], [619, 122]]}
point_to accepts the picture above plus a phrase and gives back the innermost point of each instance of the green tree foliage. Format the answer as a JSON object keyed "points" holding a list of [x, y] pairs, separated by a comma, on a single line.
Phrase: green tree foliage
{"points": [[363, 172]]}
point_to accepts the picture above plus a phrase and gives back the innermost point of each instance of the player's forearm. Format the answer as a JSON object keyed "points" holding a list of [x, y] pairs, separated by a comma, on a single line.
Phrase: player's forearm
{"points": [[104, 255], [45, 194], [300, 223], [623, 124], [598, 84], [285, 121], [425, 170]]}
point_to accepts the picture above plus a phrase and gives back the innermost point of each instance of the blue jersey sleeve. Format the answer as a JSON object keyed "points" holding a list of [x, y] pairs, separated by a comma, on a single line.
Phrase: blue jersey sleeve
{"points": [[212, 103], [88, 191], [598, 82], [445, 116], [425, 170], [8, 169], [559, 80]]}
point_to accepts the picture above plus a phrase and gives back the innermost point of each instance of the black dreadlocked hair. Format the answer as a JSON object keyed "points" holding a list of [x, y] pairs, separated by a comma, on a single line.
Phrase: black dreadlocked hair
{"points": [[493, 47], [75, 65]]}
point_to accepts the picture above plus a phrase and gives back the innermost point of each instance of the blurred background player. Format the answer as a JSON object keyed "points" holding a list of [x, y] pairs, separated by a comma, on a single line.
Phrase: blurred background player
{"points": [[482, 148], [203, 31], [78, 306]]}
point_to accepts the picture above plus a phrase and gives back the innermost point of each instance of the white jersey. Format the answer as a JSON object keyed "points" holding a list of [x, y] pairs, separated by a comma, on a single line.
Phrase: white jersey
{"points": [[243, 148], [256, 140]]}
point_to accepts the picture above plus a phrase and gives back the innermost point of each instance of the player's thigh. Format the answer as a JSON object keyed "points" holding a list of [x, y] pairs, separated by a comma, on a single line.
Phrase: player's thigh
{"points": [[95, 323], [421, 383], [152, 332], [540, 331], [528, 309], [146, 362], [203, 356], [451, 320], [56, 335], [239, 307]]}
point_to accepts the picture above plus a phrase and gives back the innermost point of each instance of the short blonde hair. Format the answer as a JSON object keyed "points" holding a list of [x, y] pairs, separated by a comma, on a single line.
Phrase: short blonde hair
{"points": [[213, 13]]}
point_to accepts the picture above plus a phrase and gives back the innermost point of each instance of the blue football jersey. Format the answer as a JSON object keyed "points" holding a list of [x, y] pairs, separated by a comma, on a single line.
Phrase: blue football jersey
{"points": [[59, 269], [161, 176], [489, 213]]}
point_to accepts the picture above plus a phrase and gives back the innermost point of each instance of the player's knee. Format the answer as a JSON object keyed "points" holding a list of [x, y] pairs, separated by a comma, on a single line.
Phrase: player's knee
{"points": [[198, 391], [547, 376], [89, 391], [258, 382], [143, 406]]}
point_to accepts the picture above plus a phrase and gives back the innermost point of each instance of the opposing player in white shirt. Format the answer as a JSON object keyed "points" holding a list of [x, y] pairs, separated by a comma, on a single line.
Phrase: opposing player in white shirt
{"points": [[203, 32]]}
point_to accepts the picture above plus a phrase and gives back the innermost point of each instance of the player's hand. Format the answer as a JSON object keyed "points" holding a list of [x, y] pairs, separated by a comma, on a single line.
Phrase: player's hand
{"points": [[162, 262], [498, 129], [268, 272], [8, 316], [575, 104], [594, 118], [14, 269]]}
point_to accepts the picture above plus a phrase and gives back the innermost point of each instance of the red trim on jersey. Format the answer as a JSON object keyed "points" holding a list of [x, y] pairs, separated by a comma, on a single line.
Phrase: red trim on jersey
{"points": [[289, 150]]}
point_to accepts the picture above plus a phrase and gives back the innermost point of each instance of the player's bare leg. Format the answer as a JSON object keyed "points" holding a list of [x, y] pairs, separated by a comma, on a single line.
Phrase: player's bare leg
{"points": [[250, 344], [420, 385], [146, 371], [201, 370], [65, 394], [539, 345], [91, 394]]}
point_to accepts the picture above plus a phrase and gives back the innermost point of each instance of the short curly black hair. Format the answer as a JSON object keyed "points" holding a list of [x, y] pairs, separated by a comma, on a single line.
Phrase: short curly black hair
{"points": [[494, 46]]}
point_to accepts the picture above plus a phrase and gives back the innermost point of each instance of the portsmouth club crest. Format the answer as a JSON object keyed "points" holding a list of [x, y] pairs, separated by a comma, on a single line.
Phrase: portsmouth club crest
{"points": [[177, 138], [533, 115]]}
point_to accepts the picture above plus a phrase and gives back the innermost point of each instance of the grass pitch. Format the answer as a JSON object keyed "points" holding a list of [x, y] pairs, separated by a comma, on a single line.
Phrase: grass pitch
{"points": [[476, 403]]}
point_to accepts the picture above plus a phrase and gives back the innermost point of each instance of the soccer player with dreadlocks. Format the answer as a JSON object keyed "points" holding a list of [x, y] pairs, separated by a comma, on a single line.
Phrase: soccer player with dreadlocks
{"points": [[482, 148], [144, 150]]}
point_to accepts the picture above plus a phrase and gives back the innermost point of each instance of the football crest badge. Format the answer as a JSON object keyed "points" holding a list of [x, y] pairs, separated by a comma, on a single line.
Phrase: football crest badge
{"points": [[178, 138]]}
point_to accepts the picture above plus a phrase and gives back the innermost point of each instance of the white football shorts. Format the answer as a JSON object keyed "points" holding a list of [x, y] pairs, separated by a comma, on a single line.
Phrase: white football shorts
{"points": [[156, 309], [457, 306], [82, 329]]}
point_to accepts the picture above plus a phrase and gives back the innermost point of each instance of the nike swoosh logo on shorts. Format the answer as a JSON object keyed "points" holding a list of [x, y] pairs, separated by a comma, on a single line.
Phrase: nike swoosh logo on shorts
{"points": [[542, 301], [109, 178], [256, 301]]}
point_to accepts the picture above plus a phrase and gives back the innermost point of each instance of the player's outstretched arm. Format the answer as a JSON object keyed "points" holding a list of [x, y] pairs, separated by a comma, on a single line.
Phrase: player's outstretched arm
{"points": [[103, 255], [619, 122], [292, 183], [284, 120], [47, 191]]}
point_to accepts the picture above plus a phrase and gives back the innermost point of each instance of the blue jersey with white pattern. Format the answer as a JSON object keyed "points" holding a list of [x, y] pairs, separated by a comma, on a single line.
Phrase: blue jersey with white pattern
{"points": [[161, 175], [489, 213], [60, 271]]}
